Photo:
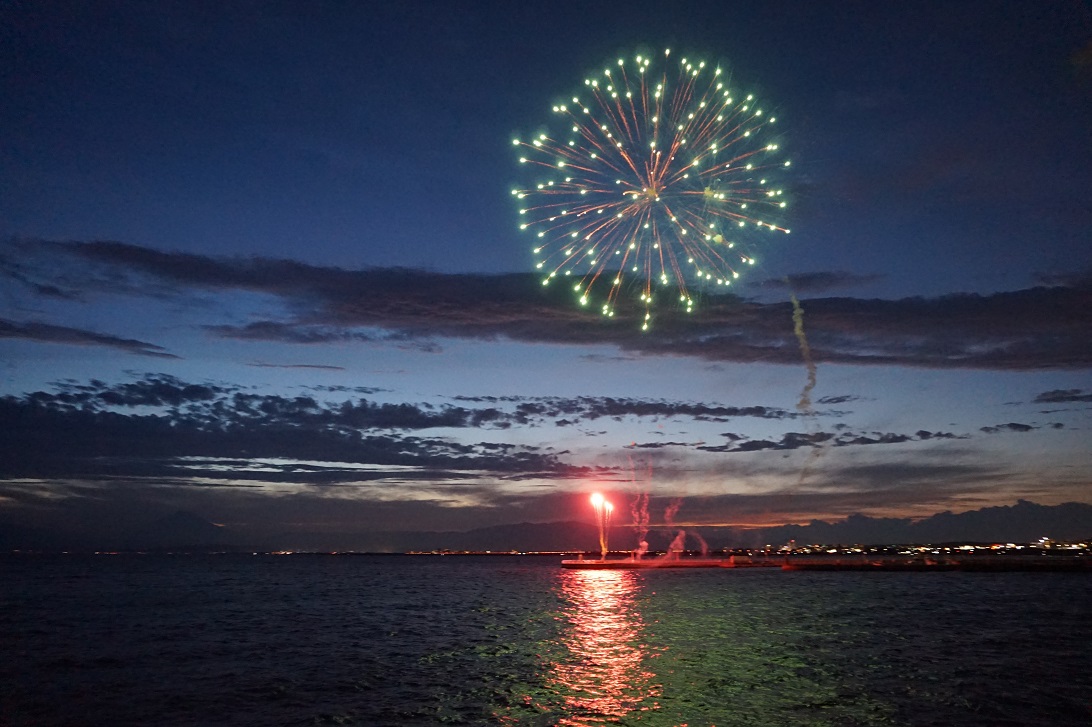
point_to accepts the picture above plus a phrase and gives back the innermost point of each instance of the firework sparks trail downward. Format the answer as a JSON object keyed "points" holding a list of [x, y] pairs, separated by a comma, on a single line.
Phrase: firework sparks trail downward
{"points": [[657, 176], [603, 510]]}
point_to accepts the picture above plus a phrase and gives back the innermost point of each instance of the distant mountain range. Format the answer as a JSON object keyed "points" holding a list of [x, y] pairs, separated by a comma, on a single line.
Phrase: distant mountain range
{"points": [[1020, 523]]}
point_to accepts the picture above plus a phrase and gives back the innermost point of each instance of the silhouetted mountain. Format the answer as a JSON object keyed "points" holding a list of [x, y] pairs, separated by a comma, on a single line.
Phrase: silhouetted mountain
{"points": [[180, 530], [14, 536], [564, 536], [1021, 523]]}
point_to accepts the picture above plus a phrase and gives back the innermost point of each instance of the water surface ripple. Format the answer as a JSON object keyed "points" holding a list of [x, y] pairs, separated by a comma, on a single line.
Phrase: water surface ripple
{"points": [[400, 640]]}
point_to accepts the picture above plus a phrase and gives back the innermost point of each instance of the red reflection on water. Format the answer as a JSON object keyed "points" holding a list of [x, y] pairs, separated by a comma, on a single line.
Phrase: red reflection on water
{"points": [[603, 676]]}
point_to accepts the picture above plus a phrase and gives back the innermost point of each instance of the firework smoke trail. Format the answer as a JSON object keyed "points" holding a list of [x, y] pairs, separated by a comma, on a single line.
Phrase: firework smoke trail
{"points": [[704, 545], [679, 543], [671, 510], [804, 405], [639, 509]]}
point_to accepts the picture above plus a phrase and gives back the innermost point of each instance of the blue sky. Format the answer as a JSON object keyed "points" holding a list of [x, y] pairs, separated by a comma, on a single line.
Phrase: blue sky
{"points": [[261, 262]]}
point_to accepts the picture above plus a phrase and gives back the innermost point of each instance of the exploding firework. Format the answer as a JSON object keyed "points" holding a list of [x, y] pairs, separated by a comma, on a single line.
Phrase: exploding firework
{"points": [[660, 177]]}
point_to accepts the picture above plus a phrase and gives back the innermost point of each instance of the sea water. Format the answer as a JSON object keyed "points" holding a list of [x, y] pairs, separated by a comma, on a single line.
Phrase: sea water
{"points": [[427, 640]]}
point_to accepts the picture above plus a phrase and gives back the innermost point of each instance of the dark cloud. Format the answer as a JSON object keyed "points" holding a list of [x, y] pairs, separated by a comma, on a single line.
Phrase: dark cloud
{"points": [[43, 437], [367, 390], [597, 407], [283, 332], [797, 440], [1038, 328], [873, 439], [1010, 427], [44, 290], [655, 445], [318, 367], [160, 390], [287, 333], [1061, 396], [590, 408], [837, 399], [412, 343], [924, 434], [1081, 279], [819, 282], [158, 426], [47, 333], [227, 406], [790, 440], [600, 358]]}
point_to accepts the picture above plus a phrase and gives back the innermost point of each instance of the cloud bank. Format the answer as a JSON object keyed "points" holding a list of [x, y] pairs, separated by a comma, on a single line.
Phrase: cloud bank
{"points": [[1034, 329]]}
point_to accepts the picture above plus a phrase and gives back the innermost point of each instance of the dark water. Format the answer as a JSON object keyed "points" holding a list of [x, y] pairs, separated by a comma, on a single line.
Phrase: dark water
{"points": [[363, 640]]}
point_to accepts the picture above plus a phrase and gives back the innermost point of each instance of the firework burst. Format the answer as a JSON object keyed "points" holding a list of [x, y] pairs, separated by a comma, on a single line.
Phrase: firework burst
{"points": [[659, 178]]}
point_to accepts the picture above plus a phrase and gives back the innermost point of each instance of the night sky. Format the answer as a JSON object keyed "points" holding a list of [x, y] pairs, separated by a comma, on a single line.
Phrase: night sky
{"points": [[261, 263]]}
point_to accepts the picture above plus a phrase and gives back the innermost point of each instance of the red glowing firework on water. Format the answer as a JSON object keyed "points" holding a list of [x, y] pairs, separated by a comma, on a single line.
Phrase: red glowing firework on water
{"points": [[659, 176], [603, 510]]}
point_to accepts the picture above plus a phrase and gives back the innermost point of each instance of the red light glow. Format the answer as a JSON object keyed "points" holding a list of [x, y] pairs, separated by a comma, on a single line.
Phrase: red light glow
{"points": [[604, 677], [603, 509]]}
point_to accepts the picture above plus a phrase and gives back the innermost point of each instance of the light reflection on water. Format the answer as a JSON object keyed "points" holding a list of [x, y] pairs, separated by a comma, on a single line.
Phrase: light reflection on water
{"points": [[378, 640], [690, 648], [603, 674]]}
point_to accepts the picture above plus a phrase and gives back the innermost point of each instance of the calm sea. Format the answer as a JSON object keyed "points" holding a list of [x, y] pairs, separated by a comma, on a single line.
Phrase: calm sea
{"points": [[401, 640]]}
